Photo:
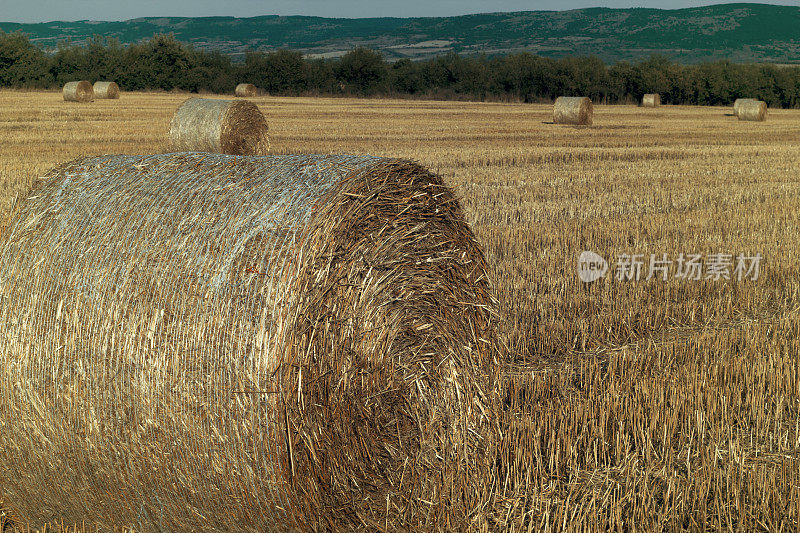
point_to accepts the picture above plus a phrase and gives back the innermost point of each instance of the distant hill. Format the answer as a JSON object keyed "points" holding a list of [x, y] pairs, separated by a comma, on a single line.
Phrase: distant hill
{"points": [[739, 32]]}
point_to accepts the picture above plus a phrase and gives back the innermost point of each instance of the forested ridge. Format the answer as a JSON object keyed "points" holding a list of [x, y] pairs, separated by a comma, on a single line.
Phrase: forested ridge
{"points": [[164, 63]]}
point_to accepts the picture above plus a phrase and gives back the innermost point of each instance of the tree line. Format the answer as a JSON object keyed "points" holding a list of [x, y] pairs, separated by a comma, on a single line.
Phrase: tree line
{"points": [[163, 63]]}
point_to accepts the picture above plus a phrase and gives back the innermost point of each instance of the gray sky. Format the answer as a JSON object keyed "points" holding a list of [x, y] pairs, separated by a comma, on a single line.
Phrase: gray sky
{"points": [[47, 10]]}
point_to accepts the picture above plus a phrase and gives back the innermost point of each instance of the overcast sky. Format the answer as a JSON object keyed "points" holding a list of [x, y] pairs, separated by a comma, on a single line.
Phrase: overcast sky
{"points": [[47, 10]]}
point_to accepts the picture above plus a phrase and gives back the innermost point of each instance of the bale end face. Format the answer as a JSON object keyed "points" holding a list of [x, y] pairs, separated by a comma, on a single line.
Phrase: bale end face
{"points": [[573, 110], [78, 91]]}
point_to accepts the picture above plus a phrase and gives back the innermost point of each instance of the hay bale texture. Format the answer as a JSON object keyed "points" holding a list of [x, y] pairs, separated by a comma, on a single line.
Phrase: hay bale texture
{"points": [[207, 342], [221, 126], [738, 102], [651, 100], [106, 90], [752, 110], [246, 90], [9, 523], [576, 110], [78, 91]]}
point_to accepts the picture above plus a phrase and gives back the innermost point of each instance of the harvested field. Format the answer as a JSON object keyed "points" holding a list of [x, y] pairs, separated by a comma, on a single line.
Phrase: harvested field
{"points": [[671, 405]]}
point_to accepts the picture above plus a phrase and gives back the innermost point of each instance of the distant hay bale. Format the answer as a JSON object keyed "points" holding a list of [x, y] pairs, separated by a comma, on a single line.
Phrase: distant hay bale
{"points": [[78, 91], [573, 110], [738, 102], [205, 342], [221, 126], [752, 110], [651, 100], [246, 90], [107, 90]]}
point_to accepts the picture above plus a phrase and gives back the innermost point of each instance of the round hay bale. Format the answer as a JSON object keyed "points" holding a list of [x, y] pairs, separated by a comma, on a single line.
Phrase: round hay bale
{"points": [[246, 90], [651, 100], [107, 90], [738, 102], [9, 523], [206, 342], [221, 126], [78, 91], [573, 110], [752, 110]]}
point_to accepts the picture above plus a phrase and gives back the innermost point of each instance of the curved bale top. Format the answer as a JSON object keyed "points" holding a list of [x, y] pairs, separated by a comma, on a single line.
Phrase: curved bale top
{"points": [[576, 110], [106, 90], [738, 102], [752, 110], [207, 342], [651, 100], [246, 90], [220, 126], [78, 91]]}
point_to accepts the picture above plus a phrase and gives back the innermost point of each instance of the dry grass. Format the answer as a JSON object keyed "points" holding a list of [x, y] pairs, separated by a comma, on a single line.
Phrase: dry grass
{"points": [[631, 406]]}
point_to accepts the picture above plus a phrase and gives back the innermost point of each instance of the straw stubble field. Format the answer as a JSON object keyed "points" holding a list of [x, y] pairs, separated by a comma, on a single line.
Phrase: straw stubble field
{"points": [[640, 405]]}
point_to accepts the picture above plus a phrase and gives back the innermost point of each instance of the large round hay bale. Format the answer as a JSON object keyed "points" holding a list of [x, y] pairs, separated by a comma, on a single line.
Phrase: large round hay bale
{"points": [[78, 91], [738, 102], [752, 110], [651, 100], [107, 90], [573, 110], [221, 126], [9, 523], [206, 342], [246, 90]]}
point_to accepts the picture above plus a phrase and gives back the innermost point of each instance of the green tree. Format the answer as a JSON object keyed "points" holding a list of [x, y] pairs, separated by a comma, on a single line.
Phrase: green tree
{"points": [[322, 77], [524, 77], [362, 71], [213, 72], [160, 63], [404, 77], [279, 72], [625, 82], [21, 63]]}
